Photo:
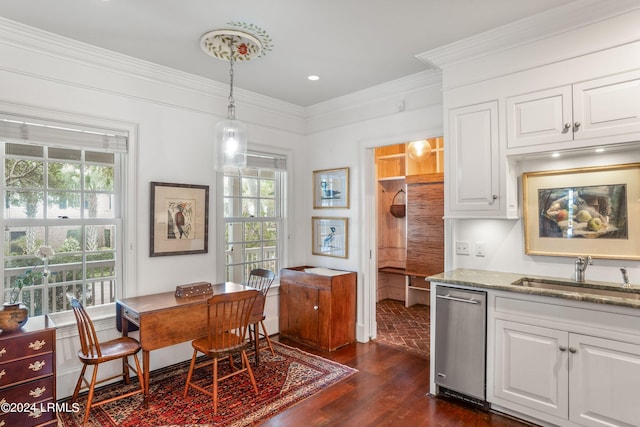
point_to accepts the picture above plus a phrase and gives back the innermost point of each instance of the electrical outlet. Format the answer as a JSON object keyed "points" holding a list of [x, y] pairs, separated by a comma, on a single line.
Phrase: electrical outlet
{"points": [[480, 249], [462, 247]]}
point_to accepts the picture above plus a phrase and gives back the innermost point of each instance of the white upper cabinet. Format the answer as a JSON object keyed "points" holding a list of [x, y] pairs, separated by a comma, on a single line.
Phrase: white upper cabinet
{"points": [[539, 118], [473, 160], [596, 112]]}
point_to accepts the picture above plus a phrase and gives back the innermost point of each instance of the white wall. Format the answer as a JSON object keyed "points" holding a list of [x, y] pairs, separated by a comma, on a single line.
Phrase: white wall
{"points": [[358, 126], [171, 118]]}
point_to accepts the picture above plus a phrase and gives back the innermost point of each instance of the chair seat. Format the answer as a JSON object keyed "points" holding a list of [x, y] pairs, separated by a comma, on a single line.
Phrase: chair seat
{"points": [[111, 350], [233, 341]]}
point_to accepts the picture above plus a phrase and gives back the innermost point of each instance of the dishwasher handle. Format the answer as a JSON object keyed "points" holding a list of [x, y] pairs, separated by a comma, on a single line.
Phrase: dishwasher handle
{"points": [[450, 298]]}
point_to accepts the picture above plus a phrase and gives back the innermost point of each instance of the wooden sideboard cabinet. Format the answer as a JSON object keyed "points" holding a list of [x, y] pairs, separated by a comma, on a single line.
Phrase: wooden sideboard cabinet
{"points": [[317, 310], [28, 374]]}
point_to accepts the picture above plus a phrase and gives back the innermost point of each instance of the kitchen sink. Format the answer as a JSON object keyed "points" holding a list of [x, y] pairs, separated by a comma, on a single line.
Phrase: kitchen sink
{"points": [[583, 289]]}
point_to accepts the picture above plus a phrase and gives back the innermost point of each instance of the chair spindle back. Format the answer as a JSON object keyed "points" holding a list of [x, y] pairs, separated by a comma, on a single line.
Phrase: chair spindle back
{"points": [[89, 343]]}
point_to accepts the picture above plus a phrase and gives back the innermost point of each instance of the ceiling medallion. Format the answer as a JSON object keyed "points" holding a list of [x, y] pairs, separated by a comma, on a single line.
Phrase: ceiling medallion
{"points": [[248, 41]]}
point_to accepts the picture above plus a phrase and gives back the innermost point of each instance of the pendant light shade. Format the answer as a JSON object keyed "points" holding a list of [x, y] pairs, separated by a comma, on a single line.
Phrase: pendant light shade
{"points": [[231, 140], [419, 150]]}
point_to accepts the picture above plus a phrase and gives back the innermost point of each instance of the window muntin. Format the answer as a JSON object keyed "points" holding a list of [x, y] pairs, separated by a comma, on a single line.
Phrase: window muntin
{"points": [[64, 198], [253, 220]]}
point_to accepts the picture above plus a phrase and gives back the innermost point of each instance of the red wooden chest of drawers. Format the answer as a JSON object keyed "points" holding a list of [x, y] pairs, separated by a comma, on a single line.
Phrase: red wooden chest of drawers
{"points": [[28, 374]]}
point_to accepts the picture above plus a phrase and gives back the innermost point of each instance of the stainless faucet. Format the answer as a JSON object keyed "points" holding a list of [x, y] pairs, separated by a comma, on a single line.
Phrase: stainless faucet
{"points": [[581, 266], [625, 277]]}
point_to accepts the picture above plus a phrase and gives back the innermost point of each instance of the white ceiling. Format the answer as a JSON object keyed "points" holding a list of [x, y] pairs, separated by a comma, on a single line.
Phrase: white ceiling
{"points": [[350, 44]]}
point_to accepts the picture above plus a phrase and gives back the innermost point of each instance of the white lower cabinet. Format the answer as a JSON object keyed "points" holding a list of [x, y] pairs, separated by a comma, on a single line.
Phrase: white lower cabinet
{"points": [[566, 378]]}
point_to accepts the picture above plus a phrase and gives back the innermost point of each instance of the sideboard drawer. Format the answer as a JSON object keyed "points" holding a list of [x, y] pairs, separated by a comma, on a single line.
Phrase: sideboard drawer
{"points": [[27, 345], [30, 392], [26, 369], [35, 414]]}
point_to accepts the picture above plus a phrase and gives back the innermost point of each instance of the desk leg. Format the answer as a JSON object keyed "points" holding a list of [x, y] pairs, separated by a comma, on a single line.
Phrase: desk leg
{"points": [[145, 373]]}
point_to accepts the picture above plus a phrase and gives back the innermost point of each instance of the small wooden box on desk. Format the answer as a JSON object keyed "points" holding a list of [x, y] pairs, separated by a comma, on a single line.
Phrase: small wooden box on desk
{"points": [[318, 310], [28, 374]]}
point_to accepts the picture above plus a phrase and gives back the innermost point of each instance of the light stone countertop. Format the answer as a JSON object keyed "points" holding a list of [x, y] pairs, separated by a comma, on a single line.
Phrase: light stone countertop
{"points": [[502, 281]]}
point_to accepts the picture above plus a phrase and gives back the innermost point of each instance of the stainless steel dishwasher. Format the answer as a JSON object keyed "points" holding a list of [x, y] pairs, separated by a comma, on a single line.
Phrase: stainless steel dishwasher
{"points": [[460, 341]]}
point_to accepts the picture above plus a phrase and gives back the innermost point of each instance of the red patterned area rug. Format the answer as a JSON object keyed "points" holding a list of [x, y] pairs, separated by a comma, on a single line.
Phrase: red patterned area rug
{"points": [[283, 380]]}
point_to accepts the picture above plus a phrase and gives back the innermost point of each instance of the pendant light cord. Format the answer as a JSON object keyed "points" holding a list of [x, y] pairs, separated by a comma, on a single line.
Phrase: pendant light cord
{"points": [[231, 110]]}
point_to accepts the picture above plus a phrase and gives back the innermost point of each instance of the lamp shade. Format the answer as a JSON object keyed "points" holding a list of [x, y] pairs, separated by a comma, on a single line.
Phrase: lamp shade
{"points": [[419, 150], [231, 140]]}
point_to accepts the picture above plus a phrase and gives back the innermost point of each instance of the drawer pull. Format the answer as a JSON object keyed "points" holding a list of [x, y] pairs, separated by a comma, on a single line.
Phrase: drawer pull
{"points": [[3, 351], [36, 366], [39, 391], [36, 414], [3, 401], [37, 345], [2, 423], [2, 373]]}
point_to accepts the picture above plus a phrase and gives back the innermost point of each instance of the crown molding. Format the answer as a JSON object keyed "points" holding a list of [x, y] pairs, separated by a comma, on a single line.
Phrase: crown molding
{"points": [[395, 88], [543, 25], [53, 45]]}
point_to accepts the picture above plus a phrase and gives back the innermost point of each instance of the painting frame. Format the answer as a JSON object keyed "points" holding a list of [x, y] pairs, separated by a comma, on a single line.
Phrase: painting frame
{"points": [[179, 219], [330, 236], [331, 188], [583, 211]]}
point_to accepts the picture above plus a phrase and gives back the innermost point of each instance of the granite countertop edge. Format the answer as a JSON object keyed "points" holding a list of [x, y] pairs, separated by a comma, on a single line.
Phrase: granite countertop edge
{"points": [[503, 281]]}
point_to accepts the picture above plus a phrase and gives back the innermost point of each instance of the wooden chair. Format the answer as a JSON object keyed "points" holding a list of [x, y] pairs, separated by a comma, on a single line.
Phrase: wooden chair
{"points": [[228, 321], [92, 352], [260, 279]]}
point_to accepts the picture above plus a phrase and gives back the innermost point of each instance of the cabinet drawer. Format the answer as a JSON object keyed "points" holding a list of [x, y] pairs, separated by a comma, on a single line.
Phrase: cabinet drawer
{"points": [[26, 345], [26, 369], [38, 414], [34, 391]]}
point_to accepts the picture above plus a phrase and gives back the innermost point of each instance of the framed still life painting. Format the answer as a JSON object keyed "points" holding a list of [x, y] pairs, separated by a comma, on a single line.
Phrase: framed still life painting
{"points": [[179, 219], [588, 211]]}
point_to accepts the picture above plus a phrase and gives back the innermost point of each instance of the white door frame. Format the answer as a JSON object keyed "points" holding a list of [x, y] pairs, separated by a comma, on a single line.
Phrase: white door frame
{"points": [[367, 327]]}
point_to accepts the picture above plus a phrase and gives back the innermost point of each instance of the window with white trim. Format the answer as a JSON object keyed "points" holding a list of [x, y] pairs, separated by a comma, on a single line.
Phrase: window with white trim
{"points": [[253, 216], [62, 190]]}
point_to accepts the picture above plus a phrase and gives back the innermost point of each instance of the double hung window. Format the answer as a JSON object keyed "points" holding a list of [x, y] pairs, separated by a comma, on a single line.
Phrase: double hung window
{"points": [[62, 190], [253, 216]]}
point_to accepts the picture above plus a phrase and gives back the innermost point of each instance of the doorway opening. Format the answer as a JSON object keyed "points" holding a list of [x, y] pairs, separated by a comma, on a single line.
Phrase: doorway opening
{"points": [[410, 239]]}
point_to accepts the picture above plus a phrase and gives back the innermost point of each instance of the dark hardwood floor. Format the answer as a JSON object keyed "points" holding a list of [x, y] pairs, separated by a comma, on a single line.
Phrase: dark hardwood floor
{"points": [[390, 389]]}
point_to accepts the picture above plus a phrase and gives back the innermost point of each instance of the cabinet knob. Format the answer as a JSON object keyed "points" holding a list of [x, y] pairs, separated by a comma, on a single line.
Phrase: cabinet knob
{"points": [[315, 307], [576, 126], [567, 127], [573, 350], [493, 199], [37, 392], [37, 365], [3, 373], [563, 348], [37, 344], [3, 350]]}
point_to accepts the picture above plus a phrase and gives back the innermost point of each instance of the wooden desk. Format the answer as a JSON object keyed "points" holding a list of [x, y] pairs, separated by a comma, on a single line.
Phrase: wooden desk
{"points": [[164, 320]]}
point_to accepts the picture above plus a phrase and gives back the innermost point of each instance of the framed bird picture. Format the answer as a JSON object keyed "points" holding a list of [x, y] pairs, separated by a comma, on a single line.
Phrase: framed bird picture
{"points": [[330, 236], [331, 188], [179, 219]]}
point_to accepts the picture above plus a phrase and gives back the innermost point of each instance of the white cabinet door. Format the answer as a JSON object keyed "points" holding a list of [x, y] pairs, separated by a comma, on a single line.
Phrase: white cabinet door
{"points": [[604, 382], [473, 161], [531, 367], [607, 107], [539, 118]]}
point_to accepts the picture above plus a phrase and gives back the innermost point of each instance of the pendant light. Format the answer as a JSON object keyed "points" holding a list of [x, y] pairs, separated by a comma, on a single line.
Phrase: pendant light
{"points": [[419, 150], [234, 45], [231, 134]]}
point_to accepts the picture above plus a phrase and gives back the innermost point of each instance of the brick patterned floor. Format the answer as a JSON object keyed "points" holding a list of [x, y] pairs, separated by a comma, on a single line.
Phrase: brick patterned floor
{"points": [[403, 327]]}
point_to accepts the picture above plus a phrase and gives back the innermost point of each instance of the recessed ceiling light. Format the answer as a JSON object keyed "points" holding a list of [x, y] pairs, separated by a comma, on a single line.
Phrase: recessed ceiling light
{"points": [[313, 78], [599, 150], [556, 154]]}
